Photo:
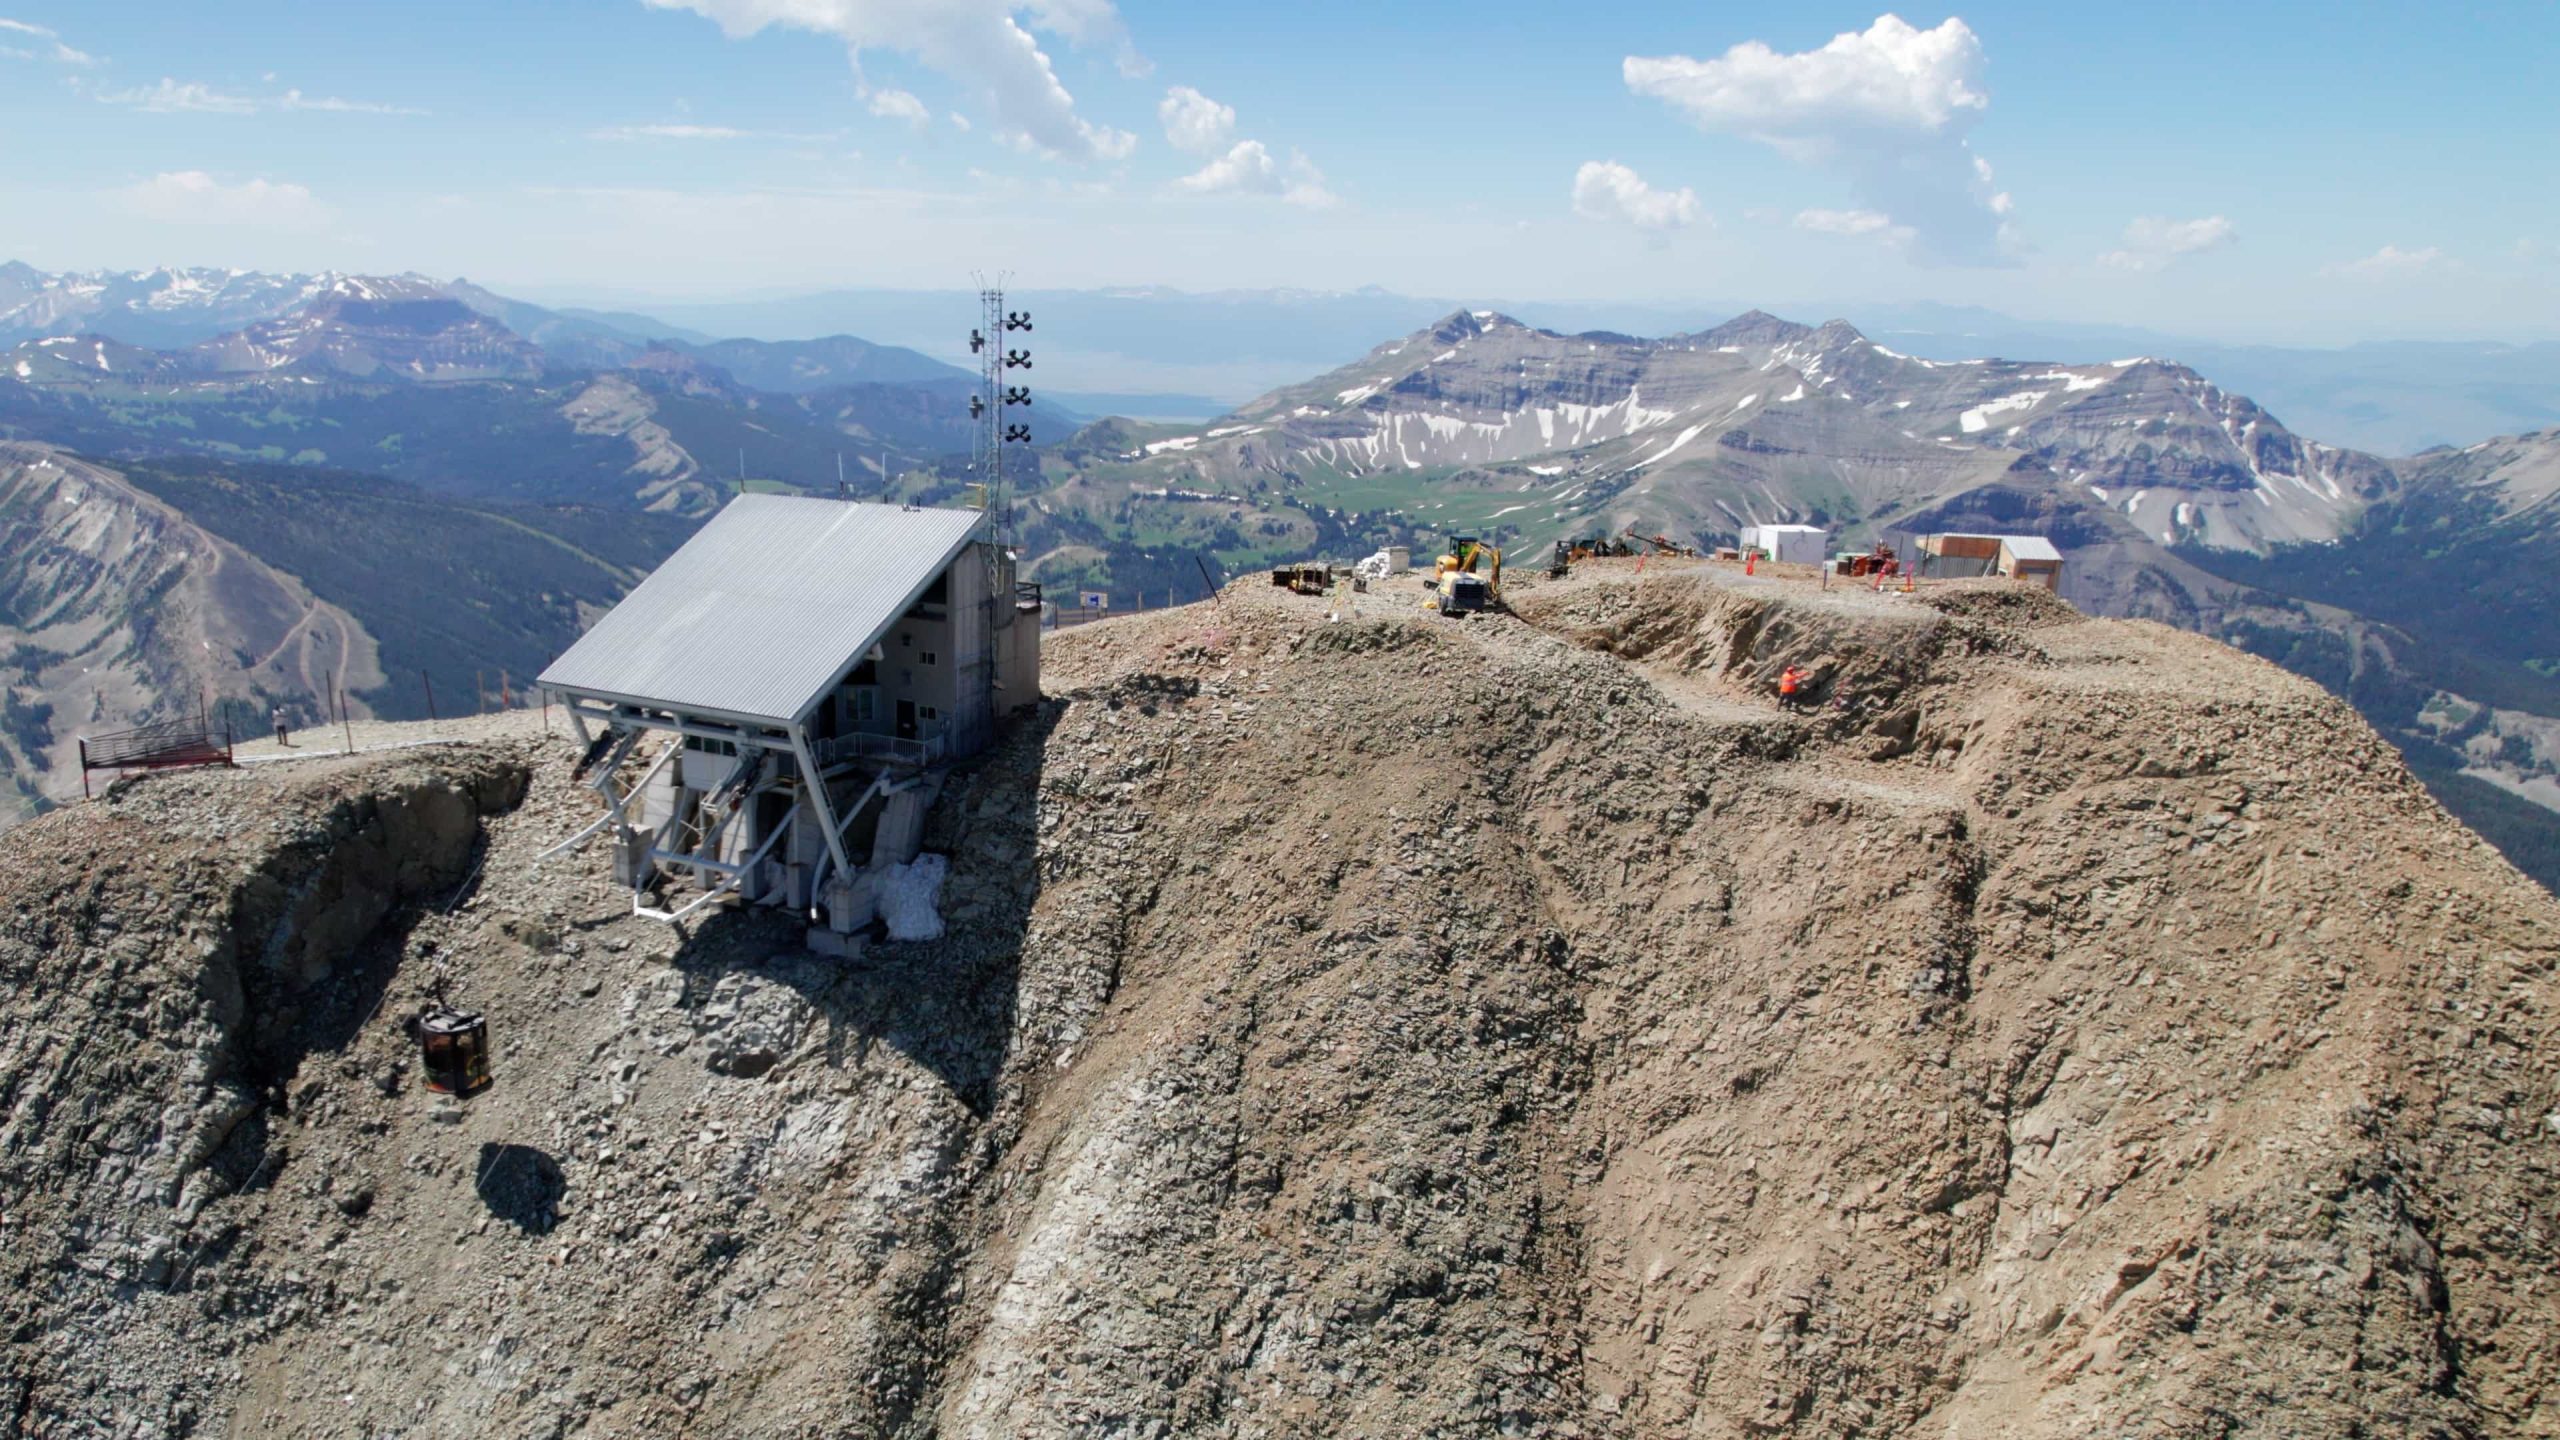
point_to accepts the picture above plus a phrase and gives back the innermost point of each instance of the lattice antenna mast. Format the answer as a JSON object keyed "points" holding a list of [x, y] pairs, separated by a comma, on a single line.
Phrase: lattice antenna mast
{"points": [[1002, 406]]}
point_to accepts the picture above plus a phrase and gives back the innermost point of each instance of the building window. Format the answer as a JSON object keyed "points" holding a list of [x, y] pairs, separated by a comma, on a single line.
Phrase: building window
{"points": [[929, 713], [924, 657], [865, 703], [905, 639]]}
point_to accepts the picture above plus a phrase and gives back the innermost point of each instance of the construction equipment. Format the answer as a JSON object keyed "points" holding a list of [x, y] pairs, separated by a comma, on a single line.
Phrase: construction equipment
{"points": [[1461, 590], [1663, 544], [1464, 594], [1463, 553], [1303, 579], [1562, 565], [1878, 561]]}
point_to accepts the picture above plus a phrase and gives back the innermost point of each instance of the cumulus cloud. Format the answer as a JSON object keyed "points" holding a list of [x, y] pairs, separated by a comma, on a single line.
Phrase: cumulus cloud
{"points": [[1888, 108], [1607, 190], [2390, 263], [899, 105], [2155, 242], [1194, 123], [40, 44], [1248, 168], [170, 97], [1197, 125], [977, 42], [192, 197]]}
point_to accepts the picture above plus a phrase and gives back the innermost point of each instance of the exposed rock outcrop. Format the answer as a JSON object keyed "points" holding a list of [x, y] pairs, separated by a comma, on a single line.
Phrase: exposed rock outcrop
{"points": [[1393, 1026]]}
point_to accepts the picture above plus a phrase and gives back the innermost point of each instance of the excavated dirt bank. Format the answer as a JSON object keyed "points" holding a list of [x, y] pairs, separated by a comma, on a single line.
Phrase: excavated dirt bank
{"points": [[1380, 1026]]}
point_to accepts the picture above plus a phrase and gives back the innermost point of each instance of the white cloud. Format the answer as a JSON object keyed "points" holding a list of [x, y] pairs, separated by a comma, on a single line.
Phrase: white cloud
{"points": [[296, 100], [1607, 190], [51, 48], [1197, 125], [1248, 168], [1193, 123], [1887, 107], [2155, 242], [192, 197], [2390, 263], [686, 130], [961, 123], [170, 97], [899, 105], [1847, 222], [978, 42]]}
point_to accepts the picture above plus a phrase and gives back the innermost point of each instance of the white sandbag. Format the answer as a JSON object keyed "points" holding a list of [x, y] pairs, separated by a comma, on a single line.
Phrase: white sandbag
{"points": [[910, 898]]}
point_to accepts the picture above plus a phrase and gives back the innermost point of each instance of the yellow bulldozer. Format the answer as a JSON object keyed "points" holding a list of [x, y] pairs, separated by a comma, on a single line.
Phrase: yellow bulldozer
{"points": [[1459, 589]]}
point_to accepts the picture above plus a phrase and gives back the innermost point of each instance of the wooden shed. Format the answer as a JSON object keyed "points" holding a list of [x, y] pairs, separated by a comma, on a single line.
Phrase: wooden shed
{"points": [[2031, 557], [2019, 557]]}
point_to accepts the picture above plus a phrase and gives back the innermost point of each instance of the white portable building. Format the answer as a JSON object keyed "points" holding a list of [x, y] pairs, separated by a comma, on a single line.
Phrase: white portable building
{"points": [[1788, 544]]}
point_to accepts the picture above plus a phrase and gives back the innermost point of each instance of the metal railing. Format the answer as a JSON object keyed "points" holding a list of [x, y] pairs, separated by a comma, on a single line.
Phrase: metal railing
{"points": [[164, 746], [860, 746]]}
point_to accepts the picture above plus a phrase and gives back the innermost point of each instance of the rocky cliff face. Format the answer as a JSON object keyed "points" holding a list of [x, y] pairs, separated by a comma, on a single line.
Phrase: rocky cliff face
{"points": [[120, 611], [1384, 1026]]}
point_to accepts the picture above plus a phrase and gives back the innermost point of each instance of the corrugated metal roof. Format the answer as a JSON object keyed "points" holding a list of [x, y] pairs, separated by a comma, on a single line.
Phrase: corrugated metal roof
{"points": [[2030, 547], [756, 616]]}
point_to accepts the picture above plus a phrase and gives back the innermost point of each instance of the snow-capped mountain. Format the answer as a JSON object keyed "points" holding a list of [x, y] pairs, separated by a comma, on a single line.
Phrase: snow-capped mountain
{"points": [[1763, 419], [167, 308]]}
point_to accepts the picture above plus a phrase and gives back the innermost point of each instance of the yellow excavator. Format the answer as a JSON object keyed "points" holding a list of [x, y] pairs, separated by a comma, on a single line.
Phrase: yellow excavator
{"points": [[1460, 589]]}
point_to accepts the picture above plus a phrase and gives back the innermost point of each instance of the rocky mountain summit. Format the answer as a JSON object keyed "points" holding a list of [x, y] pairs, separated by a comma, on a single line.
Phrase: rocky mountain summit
{"points": [[1378, 1025], [1761, 419]]}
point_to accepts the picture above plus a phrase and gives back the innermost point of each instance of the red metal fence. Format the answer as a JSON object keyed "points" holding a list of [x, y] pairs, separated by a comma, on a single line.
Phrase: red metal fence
{"points": [[167, 745]]}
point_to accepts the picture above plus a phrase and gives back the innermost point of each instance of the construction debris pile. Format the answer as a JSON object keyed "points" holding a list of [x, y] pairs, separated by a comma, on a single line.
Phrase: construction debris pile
{"points": [[1375, 1026]]}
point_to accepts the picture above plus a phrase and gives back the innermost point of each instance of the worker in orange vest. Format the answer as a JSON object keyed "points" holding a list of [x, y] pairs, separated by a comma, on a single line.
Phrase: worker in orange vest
{"points": [[1791, 688]]}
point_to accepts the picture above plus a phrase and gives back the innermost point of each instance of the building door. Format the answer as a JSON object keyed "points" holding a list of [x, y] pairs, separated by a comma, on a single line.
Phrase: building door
{"points": [[906, 719]]}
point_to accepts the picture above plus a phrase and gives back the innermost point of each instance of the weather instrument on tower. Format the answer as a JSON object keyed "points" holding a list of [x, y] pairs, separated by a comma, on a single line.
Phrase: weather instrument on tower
{"points": [[993, 407]]}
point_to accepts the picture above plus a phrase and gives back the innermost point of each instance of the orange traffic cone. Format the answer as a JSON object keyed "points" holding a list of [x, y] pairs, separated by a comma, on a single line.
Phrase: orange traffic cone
{"points": [[1750, 562]]}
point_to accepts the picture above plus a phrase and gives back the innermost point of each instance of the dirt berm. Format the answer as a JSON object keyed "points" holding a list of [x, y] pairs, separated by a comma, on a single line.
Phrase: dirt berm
{"points": [[1389, 1026]]}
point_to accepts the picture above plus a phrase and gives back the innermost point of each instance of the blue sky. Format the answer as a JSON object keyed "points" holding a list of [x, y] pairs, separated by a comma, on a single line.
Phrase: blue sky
{"points": [[2285, 172]]}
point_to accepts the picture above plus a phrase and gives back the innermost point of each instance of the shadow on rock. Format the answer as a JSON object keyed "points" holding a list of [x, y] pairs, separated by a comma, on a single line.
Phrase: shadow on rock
{"points": [[522, 1186]]}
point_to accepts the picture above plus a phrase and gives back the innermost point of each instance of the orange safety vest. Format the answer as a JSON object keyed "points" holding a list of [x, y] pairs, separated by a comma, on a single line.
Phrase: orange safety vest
{"points": [[1787, 683]]}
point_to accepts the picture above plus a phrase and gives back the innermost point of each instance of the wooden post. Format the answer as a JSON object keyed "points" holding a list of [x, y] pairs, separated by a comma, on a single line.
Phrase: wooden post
{"points": [[337, 682], [429, 681]]}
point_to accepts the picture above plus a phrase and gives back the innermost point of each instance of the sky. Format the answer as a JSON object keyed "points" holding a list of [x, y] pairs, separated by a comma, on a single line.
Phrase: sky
{"points": [[2280, 172]]}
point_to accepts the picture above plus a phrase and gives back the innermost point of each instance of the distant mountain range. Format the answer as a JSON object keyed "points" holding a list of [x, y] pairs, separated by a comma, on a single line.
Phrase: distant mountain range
{"points": [[461, 391], [233, 407], [1216, 349]]}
